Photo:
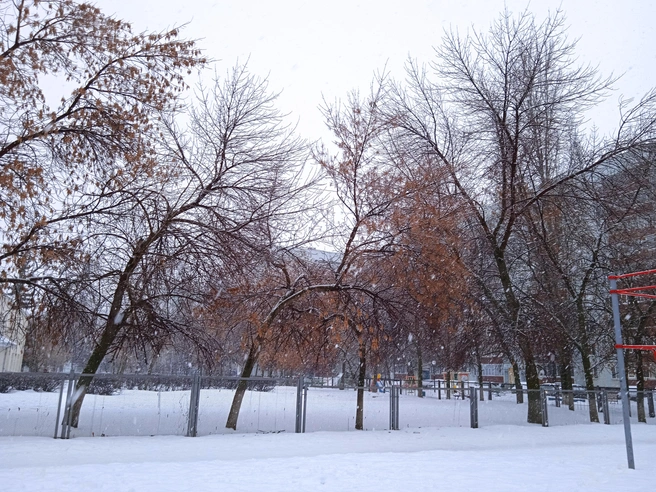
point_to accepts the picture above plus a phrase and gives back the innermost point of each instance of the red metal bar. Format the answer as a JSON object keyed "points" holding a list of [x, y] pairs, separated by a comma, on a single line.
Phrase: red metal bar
{"points": [[627, 275], [632, 289], [636, 347], [634, 292], [647, 296]]}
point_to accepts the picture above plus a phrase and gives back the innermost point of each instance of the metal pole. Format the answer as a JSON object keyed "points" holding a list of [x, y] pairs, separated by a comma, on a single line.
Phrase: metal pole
{"points": [[624, 390], [604, 403], [391, 405], [439, 390], [305, 392], [192, 420], [473, 408], [299, 405], [545, 414], [61, 396], [67, 408], [650, 403], [489, 390], [394, 408]]}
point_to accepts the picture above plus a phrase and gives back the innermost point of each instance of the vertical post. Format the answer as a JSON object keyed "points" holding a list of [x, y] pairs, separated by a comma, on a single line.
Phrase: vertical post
{"points": [[391, 409], [61, 397], [194, 401], [394, 408], [604, 403], [624, 390], [462, 389], [544, 401], [439, 390], [489, 390], [650, 403], [66, 420], [305, 392], [473, 408], [299, 406], [73, 396]]}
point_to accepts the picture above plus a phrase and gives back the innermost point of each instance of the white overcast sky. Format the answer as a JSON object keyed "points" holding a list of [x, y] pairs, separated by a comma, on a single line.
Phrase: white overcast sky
{"points": [[309, 48]]}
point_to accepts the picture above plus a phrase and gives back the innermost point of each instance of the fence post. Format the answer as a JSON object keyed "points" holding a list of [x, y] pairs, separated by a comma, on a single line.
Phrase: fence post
{"points": [[194, 401], [545, 415], [394, 408], [650, 403], [298, 428], [606, 408], [305, 393], [557, 396], [462, 389], [439, 390], [61, 397], [473, 408], [66, 421], [489, 390]]}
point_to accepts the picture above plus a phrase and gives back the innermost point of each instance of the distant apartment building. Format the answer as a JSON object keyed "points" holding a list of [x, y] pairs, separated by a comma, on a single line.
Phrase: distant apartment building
{"points": [[12, 337]]}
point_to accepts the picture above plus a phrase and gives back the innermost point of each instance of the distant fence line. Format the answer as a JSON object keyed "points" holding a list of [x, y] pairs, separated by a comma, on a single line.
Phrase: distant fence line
{"points": [[286, 409]]}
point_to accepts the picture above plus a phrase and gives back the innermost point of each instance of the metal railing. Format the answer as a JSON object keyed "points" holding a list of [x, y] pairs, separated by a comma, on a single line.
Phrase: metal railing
{"points": [[192, 405]]}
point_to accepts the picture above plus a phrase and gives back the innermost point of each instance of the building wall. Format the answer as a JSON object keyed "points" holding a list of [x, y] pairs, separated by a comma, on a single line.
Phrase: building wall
{"points": [[12, 337]]}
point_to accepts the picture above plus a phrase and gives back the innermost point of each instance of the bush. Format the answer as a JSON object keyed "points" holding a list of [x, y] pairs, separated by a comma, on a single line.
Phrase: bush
{"points": [[105, 386], [20, 381], [222, 383]]}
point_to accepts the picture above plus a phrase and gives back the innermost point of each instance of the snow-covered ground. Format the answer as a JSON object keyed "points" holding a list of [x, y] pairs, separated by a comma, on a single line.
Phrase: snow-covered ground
{"points": [[435, 450], [496, 458]]}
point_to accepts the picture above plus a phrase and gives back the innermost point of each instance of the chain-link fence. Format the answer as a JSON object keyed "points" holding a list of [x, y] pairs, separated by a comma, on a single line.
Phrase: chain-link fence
{"points": [[40, 404]]}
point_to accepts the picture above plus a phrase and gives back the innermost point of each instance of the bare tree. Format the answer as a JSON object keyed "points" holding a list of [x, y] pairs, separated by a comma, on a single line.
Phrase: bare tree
{"points": [[232, 174], [78, 91], [366, 189], [499, 104]]}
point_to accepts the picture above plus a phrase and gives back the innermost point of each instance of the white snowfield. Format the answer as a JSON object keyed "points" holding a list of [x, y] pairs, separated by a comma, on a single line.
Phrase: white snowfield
{"points": [[498, 458], [435, 450]]}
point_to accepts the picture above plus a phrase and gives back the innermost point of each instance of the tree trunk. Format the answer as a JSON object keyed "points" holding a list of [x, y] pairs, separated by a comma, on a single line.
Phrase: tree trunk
{"points": [[448, 384], [246, 372], [532, 385], [519, 389], [566, 379], [342, 380], [589, 385], [96, 358], [479, 367], [362, 374], [420, 371]]}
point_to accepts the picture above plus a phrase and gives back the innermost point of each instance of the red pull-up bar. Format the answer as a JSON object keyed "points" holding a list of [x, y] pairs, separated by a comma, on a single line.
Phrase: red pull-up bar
{"points": [[633, 274]]}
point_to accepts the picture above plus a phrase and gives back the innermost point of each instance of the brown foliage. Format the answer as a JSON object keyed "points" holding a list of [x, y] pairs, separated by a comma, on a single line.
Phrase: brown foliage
{"points": [[79, 93]]}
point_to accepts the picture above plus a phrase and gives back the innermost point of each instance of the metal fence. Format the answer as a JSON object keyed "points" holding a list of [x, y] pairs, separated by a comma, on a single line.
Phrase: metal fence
{"points": [[39, 404]]}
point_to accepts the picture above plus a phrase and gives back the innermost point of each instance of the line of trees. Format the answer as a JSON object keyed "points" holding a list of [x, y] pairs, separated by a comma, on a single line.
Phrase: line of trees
{"points": [[462, 212]]}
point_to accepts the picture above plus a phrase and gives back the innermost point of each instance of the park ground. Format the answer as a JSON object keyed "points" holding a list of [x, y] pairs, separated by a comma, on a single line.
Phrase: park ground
{"points": [[495, 458]]}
